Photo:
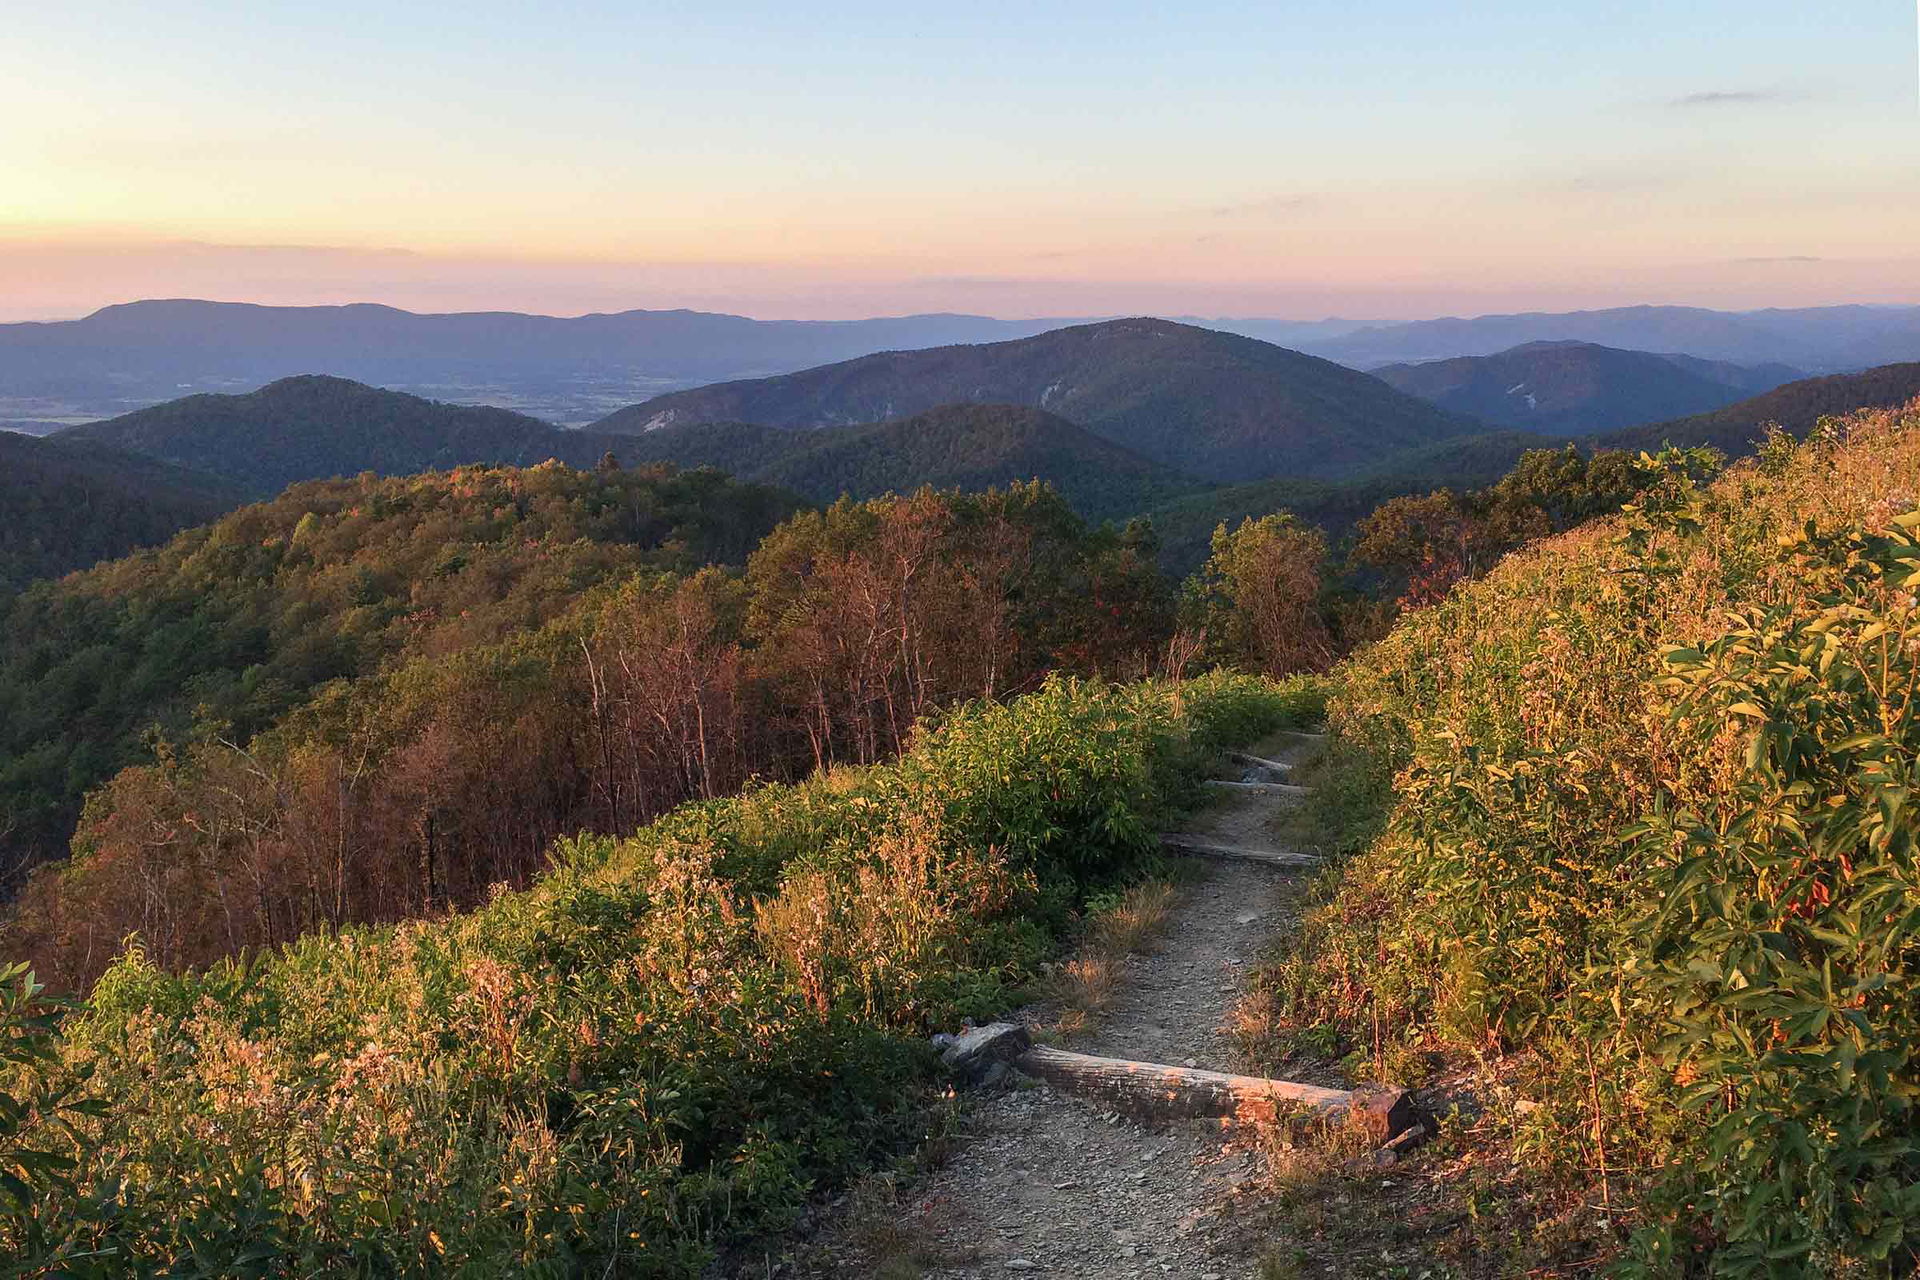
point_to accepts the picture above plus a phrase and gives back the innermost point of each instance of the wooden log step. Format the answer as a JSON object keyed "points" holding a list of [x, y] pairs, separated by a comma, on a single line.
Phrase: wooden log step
{"points": [[1179, 1093], [1260, 762], [1209, 848], [1261, 788]]}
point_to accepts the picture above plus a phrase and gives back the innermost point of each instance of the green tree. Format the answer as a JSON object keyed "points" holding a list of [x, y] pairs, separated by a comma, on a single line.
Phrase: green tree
{"points": [[1258, 597]]}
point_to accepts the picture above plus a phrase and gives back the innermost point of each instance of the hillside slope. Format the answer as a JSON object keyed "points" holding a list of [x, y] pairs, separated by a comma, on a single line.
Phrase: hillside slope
{"points": [[231, 624], [1645, 831], [1214, 405], [1576, 388], [952, 447], [64, 508], [1184, 524], [1797, 406], [314, 427]]}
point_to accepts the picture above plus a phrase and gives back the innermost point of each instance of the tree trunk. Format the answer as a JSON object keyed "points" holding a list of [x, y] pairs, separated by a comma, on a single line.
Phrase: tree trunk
{"points": [[1180, 1093]]}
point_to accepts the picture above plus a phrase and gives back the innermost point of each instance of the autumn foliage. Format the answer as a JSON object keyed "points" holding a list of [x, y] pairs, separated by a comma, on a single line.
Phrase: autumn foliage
{"points": [[415, 788]]}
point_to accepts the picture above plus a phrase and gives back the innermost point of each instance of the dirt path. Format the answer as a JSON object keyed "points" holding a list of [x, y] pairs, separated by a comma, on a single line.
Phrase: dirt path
{"points": [[1044, 1183], [1056, 1183]]}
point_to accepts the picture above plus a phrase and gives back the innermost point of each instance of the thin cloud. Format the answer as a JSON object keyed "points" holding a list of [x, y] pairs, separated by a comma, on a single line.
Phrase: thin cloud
{"points": [[1767, 262], [1272, 206], [1733, 98], [1618, 183]]}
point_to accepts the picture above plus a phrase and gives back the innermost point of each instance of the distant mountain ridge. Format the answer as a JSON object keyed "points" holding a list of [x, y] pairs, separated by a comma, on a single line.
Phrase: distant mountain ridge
{"points": [[1577, 388], [575, 369], [1214, 405], [314, 427], [1811, 338], [568, 368], [1796, 406]]}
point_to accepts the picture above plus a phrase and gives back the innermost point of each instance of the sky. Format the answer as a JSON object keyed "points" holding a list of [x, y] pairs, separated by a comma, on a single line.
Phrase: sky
{"points": [[1296, 158]]}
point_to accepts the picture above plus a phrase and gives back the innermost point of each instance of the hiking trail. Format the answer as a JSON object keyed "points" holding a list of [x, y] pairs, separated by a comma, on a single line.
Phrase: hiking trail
{"points": [[1043, 1182]]}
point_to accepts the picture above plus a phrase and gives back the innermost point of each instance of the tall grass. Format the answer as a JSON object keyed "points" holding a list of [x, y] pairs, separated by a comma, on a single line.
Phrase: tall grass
{"points": [[667, 1044], [1650, 848]]}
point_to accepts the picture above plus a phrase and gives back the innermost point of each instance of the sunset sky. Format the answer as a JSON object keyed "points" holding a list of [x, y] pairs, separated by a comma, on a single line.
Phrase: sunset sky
{"points": [[1297, 158]]}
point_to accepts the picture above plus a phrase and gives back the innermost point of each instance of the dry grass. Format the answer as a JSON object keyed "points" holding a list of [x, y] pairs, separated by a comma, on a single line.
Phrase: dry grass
{"points": [[1085, 984], [882, 1230]]}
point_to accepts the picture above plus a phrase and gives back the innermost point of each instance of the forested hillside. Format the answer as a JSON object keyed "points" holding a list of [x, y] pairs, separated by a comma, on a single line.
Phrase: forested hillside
{"points": [[1209, 404], [231, 625], [959, 446], [64, 508], [313, 428], [1797, 407], [316, 428], [376, 699], [1577, 388]]}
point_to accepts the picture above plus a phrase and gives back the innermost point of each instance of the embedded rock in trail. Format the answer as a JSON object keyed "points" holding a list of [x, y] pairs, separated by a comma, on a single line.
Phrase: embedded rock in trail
{"points": [[980, 1055]]}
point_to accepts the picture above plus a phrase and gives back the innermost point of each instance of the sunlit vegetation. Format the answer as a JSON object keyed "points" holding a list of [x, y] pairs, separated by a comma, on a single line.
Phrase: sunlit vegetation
{"points": [[230, 626], [1421, 546], [1648, 870], [668, 1043], [555, 872], [446, 752]]}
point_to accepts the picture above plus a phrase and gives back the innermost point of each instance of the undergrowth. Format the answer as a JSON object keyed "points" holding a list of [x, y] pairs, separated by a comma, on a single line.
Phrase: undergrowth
{"points": [[1648, 883], [669, 1043]]}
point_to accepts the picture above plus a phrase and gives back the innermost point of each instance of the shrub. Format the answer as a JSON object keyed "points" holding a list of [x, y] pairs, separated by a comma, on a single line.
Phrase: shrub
{"points": [[668, 1043], [1650, 842]]}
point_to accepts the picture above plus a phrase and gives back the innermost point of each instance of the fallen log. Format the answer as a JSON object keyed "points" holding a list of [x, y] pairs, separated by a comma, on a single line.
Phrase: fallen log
{"points": [[1261, 788], [1184, 1093], [1208, 848], [1260, 762]]}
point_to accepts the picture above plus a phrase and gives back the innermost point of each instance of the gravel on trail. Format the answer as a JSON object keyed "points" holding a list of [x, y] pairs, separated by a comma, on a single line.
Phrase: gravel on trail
{"points": [[1043, 1183], [1049, 1183]]}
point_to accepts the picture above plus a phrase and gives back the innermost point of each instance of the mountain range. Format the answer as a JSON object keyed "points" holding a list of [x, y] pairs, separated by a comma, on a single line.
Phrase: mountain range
{"points": [[313, 427], [1143, 417], [574, 370], [1575, 388], [569, 369], [1214, 405], [1797, 406], [1818, 339]]}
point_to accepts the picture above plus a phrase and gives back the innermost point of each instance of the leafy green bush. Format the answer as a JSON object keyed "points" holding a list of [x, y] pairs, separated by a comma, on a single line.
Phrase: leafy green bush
{"points": [[1776, 943], [1650, 847]]}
